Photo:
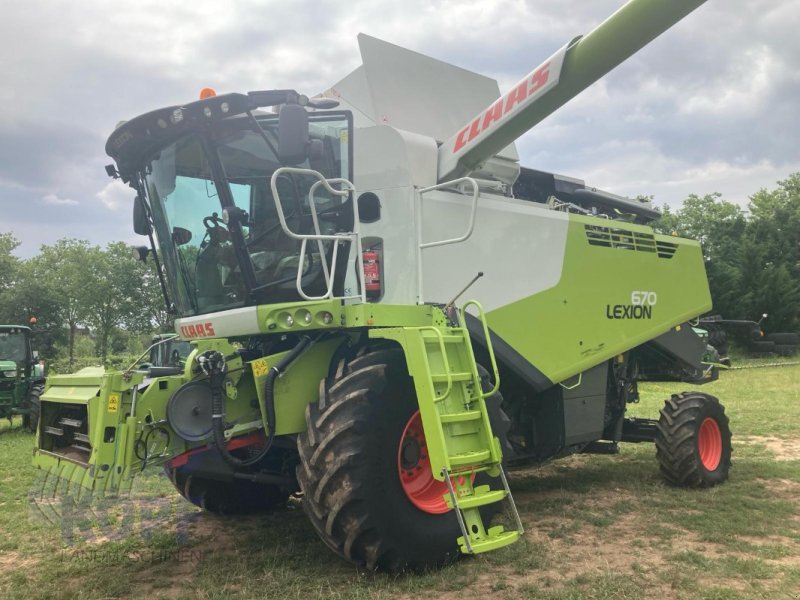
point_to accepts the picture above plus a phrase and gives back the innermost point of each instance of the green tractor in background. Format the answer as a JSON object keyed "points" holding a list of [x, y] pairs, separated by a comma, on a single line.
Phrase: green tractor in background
{"points": [[167, 350], [21, 375]]}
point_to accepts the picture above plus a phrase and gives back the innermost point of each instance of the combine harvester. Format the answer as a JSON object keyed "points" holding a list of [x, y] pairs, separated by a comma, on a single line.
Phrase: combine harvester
{"points": [[315, 257]]}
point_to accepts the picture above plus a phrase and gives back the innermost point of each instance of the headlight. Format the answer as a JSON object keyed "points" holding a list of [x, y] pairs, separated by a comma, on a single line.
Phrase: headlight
{"points": [[9, 373]]}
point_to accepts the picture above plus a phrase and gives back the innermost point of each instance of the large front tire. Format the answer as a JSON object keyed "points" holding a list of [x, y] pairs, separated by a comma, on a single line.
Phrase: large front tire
{"points": [[693, 445], [238, 497], [350, 470]]}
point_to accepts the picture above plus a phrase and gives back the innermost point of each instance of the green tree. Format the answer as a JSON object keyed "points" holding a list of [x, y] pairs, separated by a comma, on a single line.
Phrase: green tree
{"points": [[719, 226], [9, 273], [774, 228], [117, 299], [65, 272], [716, 223], [8, 262], [752, 261]]}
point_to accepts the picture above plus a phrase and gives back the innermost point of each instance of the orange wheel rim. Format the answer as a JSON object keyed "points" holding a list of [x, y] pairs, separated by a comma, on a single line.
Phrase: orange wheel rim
{"points": [[709, 444], [414, 469]]}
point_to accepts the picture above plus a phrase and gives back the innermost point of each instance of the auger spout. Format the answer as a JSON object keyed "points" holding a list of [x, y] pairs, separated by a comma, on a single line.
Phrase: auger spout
{"points": [[558, 79]]}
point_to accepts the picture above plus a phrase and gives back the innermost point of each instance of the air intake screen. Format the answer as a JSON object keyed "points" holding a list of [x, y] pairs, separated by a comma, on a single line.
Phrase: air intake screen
{"points": [[613, 237]]}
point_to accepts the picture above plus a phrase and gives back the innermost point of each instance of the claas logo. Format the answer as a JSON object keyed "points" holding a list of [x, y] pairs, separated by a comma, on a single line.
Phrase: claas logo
{"points": [[497, 111], [199, 330]]}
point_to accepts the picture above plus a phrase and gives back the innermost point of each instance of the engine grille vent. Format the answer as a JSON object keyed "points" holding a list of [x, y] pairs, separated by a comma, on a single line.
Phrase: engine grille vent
{"points": [[614, 237]]}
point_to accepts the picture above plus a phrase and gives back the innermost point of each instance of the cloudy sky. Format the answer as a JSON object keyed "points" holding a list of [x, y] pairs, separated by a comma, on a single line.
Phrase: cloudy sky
{"points": [[712, 105]]}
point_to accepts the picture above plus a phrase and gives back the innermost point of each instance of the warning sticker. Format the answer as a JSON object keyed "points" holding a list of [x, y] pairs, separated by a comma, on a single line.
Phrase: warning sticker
{"points": [[113, 403], [260, 367]]}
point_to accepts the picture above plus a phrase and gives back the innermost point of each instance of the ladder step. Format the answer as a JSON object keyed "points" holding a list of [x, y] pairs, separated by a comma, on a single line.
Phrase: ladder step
{"points": [[495, 538], [54, 431], [443, 377], [470, 458], [460, 417], [447, 339], [81, 437], [481, 497], [70, 422]]}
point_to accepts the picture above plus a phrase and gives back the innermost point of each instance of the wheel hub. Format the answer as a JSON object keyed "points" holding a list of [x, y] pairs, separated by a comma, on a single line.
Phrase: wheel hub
{"points": [[414, 470], [410, 453]]}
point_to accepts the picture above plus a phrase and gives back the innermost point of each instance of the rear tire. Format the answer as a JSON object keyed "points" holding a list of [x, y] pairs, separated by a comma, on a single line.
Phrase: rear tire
{"points": [[761, 347], [786, 349], [693, 445], [350, 465], [719, 339], [237, 497], [785, 339], [31, 420]]}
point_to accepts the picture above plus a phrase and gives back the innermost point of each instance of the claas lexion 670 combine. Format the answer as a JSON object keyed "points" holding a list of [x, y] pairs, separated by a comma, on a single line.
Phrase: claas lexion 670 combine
{"points": [[315, 255]]}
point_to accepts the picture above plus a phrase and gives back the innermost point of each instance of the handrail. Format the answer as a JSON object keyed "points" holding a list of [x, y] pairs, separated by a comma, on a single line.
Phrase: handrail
{"points": [[423, 245], [489, 347], [352, 236]]}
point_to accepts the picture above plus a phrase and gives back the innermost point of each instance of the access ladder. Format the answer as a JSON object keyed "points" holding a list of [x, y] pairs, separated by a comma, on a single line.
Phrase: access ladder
{"points": [[458, 432]]}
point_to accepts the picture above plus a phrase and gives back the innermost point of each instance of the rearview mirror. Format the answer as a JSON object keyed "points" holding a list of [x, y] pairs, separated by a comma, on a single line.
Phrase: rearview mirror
{"points": [[141, 224], [181, 236], [292, 134]]}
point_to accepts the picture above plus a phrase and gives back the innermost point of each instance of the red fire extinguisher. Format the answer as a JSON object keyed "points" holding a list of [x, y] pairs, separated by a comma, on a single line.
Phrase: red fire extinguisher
{"points": [[372, 273]]}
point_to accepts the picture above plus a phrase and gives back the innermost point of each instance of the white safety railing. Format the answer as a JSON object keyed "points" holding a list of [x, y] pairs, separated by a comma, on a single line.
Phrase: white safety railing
{"points": [[353, 237], [423, 245]]}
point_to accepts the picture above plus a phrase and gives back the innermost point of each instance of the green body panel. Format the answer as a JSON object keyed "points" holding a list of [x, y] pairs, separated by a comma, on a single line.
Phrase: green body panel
{"points": [[566, 329], [272, 318], [88, 376], [10, 397], [296, 388], [77, 388]]}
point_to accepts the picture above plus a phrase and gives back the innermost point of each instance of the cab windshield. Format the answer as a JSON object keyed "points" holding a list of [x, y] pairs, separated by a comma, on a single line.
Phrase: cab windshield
{"points": [[212, 266], [13, 346]]}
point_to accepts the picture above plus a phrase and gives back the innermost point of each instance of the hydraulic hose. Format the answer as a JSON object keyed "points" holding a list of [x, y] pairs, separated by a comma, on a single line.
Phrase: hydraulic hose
{"points": [[213, 363]]}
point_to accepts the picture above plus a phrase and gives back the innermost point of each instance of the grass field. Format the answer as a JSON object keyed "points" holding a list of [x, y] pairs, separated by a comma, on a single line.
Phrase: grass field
{"points": [[596, 527]]}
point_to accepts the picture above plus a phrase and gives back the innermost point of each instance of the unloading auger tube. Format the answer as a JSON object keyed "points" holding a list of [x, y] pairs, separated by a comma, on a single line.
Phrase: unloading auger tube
{"points": [[557, 80], [317, 367]]}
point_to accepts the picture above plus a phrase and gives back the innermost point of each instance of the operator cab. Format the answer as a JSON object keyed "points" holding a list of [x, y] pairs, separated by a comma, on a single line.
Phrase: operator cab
{"points": [[15, 350], [203, 174]]}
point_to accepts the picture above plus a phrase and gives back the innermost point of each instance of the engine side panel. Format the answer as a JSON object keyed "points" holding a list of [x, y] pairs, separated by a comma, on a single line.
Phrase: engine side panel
{"points": [[620, 286]]}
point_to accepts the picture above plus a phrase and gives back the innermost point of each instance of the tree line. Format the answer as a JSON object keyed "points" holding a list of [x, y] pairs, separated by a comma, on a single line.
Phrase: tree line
{"points": [[752, 256], [73, 287], [752, 260]]}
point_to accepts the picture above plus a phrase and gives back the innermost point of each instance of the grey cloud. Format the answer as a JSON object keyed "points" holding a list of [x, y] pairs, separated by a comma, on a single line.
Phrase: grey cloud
{"points": [[71, 71]]}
